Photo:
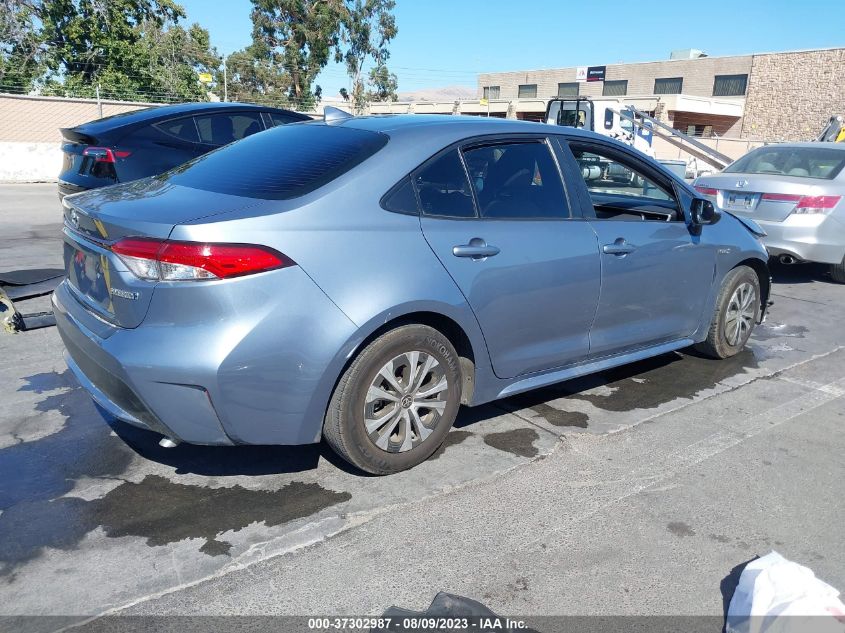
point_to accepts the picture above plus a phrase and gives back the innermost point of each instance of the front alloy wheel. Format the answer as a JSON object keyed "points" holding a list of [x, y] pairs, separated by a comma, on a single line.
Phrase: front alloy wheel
{"points": [[741, 313]]}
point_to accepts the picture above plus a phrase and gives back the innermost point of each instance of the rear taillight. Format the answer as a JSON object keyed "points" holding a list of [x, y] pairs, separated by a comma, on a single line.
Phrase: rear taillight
{"points": [[706, 191], [781, 197], [104, 154], [191, 261], [816, 204]]}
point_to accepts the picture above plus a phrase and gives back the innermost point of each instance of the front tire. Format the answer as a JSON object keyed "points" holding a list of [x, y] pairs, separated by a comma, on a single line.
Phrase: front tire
{"points": [[837, 272], [737, 311], [397, 400]]}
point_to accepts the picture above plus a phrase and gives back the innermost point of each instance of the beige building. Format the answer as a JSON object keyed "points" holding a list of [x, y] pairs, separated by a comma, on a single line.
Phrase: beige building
{"points": [[769, 96]]}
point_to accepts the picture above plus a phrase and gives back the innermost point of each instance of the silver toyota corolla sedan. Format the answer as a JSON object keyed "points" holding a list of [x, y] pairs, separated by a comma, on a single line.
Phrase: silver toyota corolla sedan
{"points": [[360, 279], [795, 192]]}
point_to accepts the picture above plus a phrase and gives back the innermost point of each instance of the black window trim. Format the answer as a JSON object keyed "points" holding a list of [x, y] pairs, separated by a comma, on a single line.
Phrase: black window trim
{"points": [[651, 171], [481, 141], [519, 88], [614, 82], [667, 79], [716, 79]]}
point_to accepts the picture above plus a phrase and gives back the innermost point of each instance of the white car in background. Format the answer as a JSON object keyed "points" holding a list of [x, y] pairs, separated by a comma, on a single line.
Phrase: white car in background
{"points": [[795, 191]]}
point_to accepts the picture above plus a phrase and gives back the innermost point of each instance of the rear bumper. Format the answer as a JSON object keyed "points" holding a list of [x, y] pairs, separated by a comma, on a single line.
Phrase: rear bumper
{"points": [[811, 237], [181, 411], [251, 360]]}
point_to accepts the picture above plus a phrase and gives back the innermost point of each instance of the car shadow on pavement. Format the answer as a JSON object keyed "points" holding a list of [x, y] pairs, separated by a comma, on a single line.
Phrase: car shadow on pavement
{"points": [[222, 461], [799, 273]]}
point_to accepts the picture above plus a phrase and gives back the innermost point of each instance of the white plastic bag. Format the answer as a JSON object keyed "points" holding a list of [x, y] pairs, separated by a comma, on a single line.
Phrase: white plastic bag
{"points": [[773, 592]]}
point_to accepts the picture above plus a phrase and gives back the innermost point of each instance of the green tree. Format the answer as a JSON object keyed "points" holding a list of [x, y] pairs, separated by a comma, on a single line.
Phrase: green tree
{"points": [[253, 80], [132, 49], [368, 28], [20, 45], [295, 39], [383, 84]]}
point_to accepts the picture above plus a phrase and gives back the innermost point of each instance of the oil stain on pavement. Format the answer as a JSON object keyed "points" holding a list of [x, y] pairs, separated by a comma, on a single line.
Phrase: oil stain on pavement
{"points": [[518, 441], [35, 476], [642, 385], [453, 438]]}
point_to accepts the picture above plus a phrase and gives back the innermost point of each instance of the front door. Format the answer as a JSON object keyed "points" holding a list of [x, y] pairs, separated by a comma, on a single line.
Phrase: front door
{"points": [[529, 272], [656, 274]]}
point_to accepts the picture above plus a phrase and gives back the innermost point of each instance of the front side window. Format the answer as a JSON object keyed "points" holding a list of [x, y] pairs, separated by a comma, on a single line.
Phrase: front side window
{"points": [[668, 86], [730, 85], [225, 128], [619, 189], [615, 88], [527, 91], [443, 188], [517, 181]]}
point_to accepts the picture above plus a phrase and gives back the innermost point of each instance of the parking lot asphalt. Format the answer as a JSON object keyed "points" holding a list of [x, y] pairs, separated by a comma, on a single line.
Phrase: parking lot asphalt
{"points": [[634, 491]]}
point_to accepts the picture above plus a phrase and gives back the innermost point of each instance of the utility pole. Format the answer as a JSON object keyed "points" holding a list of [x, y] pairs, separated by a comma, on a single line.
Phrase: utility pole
{"points": [[99, 103], [225, 83]]}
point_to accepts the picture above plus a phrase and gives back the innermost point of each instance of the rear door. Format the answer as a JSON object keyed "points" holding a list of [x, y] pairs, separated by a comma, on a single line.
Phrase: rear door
{"points": [[529, 270], [656, 274]]}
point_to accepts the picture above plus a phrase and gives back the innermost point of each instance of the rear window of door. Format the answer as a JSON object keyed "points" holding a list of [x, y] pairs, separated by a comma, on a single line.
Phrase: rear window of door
{"points": [[226, 127], [281, 119], [443, 187], [516, 180], [184, 129]]}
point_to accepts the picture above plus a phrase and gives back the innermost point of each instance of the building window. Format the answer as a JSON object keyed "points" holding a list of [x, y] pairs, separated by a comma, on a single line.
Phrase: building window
{"points": [[568, 89], [527, 91], [668, 86], [730, 85], [615, 88], [491, 92]]}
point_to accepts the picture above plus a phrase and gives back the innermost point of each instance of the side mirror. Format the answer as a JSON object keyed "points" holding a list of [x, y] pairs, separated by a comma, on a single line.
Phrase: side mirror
{"points": [[704, 212]]}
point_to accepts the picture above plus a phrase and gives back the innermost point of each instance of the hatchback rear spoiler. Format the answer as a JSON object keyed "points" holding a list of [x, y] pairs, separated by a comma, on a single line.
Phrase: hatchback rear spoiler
{"points": [[72, 134]]}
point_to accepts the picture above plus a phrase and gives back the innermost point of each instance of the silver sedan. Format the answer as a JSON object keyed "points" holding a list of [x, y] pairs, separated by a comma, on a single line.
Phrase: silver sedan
{"points": [[795, 192]]}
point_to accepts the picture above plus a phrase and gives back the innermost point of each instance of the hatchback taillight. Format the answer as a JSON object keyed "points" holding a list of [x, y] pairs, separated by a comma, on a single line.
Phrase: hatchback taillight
{"points": [[166, 260], [104, 154]]}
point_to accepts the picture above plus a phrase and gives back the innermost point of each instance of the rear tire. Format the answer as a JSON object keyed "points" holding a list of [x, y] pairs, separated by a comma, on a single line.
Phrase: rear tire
{"points": [[837, 272], [737, 311], [395, 403]]}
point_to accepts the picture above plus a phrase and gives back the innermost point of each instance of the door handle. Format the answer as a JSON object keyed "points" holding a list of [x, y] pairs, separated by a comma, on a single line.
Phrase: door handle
{"points": [[477, 249], [619, 247]]}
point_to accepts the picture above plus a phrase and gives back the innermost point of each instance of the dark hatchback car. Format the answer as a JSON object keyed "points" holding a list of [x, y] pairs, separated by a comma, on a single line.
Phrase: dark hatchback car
{"points": [[150, 141]]}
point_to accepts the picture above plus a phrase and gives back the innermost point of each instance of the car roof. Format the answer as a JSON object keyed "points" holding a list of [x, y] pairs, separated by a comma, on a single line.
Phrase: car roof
{"points": [[458, 124], [156, 113]]}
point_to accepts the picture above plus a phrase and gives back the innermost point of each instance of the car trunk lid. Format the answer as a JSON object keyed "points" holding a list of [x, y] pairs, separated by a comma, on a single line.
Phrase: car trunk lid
{"points": [[95, 220], [770, 198]]}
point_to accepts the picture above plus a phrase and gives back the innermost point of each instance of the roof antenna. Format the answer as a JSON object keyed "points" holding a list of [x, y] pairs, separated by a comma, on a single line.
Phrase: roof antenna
{"points": [[332, 114]]}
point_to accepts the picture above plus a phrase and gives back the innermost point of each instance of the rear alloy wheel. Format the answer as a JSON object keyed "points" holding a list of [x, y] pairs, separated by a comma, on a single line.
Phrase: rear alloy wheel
{"points": [[737, 311], [397, 400]]}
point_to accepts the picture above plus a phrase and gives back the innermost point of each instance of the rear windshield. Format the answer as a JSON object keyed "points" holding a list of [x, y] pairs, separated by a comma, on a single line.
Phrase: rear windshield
{"points": [[809, 162], [281, 163]]}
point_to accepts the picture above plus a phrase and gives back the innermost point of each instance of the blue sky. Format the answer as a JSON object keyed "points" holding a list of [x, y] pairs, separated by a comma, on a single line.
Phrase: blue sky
{"points": [[442, 42]]}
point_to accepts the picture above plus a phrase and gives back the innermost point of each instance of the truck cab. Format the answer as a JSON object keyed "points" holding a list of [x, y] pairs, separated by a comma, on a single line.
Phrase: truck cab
{"points": [[610, 117]]}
